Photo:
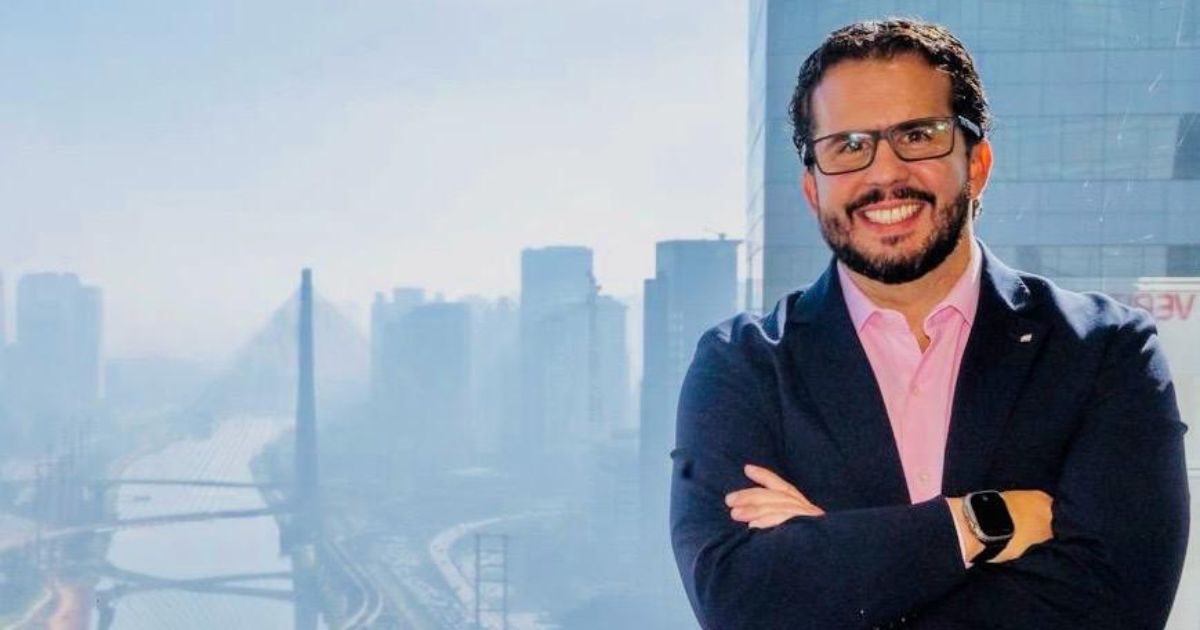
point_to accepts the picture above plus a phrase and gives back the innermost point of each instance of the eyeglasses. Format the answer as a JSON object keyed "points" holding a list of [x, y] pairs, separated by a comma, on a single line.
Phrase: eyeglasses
{"points": [[911, 140]]}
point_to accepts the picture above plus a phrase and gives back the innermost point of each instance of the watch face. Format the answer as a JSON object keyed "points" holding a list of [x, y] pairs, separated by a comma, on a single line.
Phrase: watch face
{"points": [[992, 514]]}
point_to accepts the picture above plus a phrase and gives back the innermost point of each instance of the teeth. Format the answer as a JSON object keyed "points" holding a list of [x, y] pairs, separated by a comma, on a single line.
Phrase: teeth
{"points": [[892, 215]]}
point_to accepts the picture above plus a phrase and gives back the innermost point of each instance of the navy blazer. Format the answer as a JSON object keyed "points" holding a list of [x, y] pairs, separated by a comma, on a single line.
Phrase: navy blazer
{"points": [[1059, 391]]}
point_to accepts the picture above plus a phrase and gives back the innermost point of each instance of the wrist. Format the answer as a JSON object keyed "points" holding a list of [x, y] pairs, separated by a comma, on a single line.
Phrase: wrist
{"points": [[968, 543]]}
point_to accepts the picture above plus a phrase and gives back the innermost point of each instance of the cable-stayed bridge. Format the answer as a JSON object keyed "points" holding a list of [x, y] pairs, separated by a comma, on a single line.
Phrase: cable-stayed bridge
{"points": [[316, 563]]}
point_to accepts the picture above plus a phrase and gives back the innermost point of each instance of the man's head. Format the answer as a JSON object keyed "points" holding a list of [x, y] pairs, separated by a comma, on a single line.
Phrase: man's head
{"points": [[893, 202]]}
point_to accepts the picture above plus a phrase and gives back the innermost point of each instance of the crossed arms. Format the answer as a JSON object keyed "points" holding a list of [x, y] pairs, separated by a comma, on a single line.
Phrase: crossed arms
{"points": [[774, 501], [1114, 559]]}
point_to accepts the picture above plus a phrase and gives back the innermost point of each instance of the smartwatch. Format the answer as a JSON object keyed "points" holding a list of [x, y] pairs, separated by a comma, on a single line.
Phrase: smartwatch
{"points": [[987, 516]]}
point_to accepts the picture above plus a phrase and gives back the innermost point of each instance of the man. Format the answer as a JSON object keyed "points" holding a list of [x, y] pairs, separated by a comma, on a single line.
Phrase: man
{"points": [[923, 437]]}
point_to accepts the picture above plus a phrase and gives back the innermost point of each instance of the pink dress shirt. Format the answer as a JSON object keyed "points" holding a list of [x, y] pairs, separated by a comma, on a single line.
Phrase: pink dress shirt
{"points": [[918, 387]]}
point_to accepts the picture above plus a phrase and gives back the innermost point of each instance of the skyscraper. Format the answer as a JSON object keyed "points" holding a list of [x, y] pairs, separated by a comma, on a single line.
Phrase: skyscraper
{"points": [[422, 377], [694, 288], [55, 377], [3, 321], [385, 317], [495, 373], [5, 433], [610, 389], [556, 286], [434, 352]]}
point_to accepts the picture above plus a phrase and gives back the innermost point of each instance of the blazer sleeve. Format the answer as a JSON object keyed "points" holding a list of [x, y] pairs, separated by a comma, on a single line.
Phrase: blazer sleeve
{"points": [[849, 569], [1120, 512]]}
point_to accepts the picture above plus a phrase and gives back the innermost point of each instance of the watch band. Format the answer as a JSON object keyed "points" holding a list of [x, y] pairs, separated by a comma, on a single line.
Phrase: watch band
{"points": [[990, 550]]}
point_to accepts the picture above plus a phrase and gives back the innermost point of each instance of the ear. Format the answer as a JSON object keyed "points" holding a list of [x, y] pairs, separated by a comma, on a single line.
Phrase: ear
{"points": [[979, 166], [808, 182]]}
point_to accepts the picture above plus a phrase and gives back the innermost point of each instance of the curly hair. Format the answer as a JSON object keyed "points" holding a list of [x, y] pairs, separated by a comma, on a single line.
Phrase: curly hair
{"points": [[884, 39]]}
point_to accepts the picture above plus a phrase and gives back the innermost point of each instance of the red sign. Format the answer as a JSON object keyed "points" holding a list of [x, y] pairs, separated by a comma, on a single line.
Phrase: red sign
{"points": [[1163, 305]]}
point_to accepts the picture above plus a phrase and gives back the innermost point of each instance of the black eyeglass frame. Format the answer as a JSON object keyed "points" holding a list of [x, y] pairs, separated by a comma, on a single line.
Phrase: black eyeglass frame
{"points": [[809, 157]]}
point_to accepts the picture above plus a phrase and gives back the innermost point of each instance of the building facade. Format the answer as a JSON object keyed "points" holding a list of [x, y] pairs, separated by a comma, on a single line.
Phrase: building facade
{"points": [[422, 378], [54, 380], [556, 284], [694, 288]]}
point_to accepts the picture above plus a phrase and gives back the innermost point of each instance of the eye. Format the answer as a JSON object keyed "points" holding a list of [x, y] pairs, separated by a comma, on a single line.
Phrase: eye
{"points": [[918, 135], [922, 133], [850, 144]]}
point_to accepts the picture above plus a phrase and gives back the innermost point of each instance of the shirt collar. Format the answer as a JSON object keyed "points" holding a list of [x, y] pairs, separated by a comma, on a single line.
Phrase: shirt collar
{"points": [[963, 296]]}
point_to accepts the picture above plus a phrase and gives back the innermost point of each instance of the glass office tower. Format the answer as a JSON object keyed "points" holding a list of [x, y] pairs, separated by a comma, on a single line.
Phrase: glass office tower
{"points": [[1097, 175]]}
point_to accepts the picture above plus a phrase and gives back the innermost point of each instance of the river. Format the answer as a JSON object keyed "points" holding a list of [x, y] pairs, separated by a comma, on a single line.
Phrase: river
{"points": [[204, 549]]}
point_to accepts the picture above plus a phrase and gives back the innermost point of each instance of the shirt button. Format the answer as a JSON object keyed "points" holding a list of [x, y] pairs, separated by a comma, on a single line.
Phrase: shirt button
{"points": [[924, 477]]}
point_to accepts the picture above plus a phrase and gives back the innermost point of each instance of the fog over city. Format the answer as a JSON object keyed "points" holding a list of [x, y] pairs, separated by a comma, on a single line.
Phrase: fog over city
{"points": [[377, 314]]}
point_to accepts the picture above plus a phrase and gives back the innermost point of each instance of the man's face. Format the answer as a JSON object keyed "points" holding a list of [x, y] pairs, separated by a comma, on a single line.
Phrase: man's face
{"points": [[893, 221]]}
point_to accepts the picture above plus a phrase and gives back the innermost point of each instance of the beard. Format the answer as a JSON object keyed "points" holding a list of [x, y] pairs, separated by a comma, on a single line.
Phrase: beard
{"points": [[948, 224]]}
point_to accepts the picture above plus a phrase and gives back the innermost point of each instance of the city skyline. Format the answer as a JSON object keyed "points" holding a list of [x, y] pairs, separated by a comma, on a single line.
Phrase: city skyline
{"points": [[384, 311]]}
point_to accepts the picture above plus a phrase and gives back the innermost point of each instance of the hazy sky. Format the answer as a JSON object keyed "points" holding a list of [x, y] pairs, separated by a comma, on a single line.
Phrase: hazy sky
{"points": [[190, 158]]}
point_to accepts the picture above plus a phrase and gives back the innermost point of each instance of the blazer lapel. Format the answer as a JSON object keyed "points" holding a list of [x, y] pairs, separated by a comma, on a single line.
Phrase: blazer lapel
{"points": [[837, 374], [1000, 350]]}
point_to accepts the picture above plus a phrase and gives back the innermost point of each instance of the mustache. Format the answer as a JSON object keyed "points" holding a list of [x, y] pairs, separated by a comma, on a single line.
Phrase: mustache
{"points": [[876, 196]]}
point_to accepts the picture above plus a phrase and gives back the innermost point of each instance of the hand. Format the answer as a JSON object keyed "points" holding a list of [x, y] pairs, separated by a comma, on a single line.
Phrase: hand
{"points": [[771, 504], [1031, 516]]}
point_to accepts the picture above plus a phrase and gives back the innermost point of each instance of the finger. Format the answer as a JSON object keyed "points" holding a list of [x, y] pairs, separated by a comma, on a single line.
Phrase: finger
{"points": [[757, 495], [754, 510], [769, 479], [770, 521], [774, 482], [750, 513], [760, 497], [773, 518]]}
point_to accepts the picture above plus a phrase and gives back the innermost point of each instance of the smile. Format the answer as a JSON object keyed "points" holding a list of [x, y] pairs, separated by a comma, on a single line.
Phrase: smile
{"points": [[888, 216]]}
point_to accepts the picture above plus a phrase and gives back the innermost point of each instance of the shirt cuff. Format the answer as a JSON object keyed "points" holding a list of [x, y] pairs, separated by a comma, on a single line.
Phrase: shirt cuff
{"points": [[962, 544]]}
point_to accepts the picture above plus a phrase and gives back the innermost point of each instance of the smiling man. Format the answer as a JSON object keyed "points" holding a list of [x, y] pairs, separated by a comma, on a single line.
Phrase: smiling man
{"points": [[923, 437]]}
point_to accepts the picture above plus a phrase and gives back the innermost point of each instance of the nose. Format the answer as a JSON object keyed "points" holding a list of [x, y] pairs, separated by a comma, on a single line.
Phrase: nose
{"points": [[887, 168]]}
